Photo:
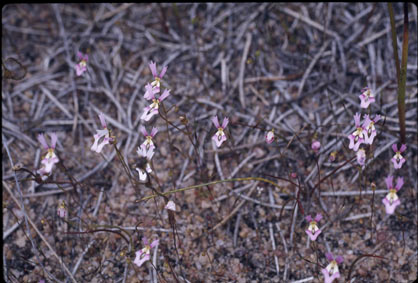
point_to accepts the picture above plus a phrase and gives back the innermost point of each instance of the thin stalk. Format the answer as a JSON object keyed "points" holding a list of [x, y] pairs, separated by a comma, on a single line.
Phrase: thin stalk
{"points": [[400, 68], [212, 183], [402, 83], [394, 41]]}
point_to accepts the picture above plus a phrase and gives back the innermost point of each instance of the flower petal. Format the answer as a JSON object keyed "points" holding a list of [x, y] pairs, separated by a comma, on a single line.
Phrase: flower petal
{"points": [[225, 123], [142, 175], [329, 256], [165, 94], [140, 258], [390, 208], [339, 259], [399, 183], [102, 120], [54, 139], [357, 119], [216, 121], [170, 205], [42, 140], [144, 131], [389, 182], [154, 131], [163, 71], [153, 68], [154, 243]]}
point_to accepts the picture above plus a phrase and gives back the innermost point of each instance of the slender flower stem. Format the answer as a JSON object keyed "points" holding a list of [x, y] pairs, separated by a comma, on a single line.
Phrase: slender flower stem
{"points": [[212, 183], [394, 40], [400, 68], [402, 83]]}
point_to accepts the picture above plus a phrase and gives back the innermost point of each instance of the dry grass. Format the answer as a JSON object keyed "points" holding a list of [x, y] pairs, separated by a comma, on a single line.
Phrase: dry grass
{"points": [[297, 68]]}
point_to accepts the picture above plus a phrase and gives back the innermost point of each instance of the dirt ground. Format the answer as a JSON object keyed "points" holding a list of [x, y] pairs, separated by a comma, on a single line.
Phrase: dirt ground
{"points": [[294, 68]]}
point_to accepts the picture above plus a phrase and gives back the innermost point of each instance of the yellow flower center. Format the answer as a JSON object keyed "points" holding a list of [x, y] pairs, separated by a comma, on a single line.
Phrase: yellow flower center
{"points": [[155, 103], [358, 133], [313, 227], [50, 153], [332, 267], [148, 141], [156, 82], [370, 127], [145, 251], [368, 94], [392, 196], [62, 205], [220, 133]]}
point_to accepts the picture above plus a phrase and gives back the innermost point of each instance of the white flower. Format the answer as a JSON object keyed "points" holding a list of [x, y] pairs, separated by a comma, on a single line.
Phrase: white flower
{"points": [[105, 134], [171, 205]]}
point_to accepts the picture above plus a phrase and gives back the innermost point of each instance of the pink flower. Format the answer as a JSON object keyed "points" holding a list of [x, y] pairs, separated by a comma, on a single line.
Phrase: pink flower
{"points": [[313, 231], [361, 156], [316, 145], [50, 158], [144, 254], [366, 97], [357, 137], [369, 129], [398, 159], [105, 134], [391, 201], [157, 81], [270, 136], [331, 272], [81, 67], [62, 210], [220, 136], [148, 144], [151, 110], [150, 91]]}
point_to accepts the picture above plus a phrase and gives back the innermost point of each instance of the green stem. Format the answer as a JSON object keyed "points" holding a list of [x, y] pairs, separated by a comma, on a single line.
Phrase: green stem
{"points": [[394, 40], [212, 183], [402, 82], [400, 68]]}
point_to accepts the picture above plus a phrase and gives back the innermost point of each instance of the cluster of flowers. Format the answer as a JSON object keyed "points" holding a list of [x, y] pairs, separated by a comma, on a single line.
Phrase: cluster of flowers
{"points": [[220, 135], [146, 150], [151, 89], [391, 200], [331, 272], [104, 137], [365, 132]]}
